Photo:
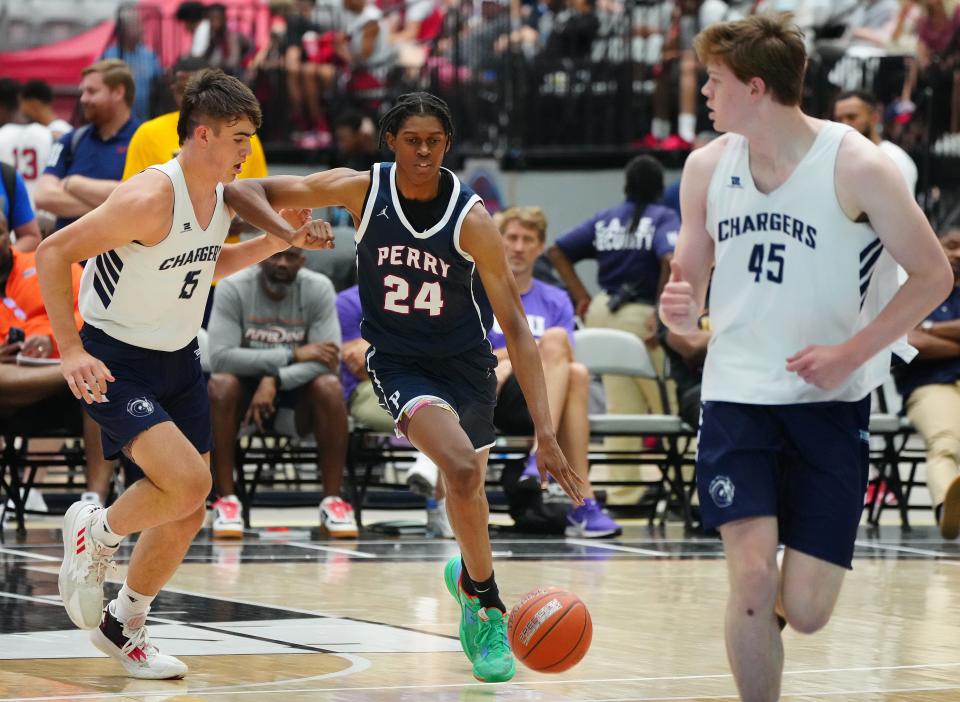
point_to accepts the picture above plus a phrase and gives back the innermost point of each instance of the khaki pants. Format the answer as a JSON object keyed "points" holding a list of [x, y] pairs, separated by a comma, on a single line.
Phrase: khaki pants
{"points": [[935, 412], [626, 395], [366, 409]]}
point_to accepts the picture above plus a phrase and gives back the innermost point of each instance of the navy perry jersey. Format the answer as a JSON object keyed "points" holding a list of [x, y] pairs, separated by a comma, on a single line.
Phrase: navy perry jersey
{"points": [[420, 291]]}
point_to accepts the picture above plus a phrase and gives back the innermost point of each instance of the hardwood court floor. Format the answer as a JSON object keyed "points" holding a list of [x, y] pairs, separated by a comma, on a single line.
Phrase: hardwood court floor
{"points": [[370, 621]]}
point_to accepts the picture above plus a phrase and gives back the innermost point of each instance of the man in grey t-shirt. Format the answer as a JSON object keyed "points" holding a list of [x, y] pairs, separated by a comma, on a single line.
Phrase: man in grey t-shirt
{"points": [[275, 343]]}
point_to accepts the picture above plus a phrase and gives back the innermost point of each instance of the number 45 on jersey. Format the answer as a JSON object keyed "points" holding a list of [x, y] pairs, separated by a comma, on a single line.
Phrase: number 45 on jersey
{"points": [[429, 298]]}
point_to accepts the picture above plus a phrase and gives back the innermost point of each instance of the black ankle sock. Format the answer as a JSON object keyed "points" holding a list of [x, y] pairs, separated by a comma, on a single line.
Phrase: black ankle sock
{"points": [[485, 591]]}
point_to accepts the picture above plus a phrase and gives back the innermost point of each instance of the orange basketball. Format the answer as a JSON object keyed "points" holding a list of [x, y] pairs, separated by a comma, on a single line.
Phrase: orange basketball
{"points": [[550, 630]]}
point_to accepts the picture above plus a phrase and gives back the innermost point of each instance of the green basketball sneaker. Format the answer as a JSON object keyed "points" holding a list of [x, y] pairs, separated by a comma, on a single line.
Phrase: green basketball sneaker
{"points": [[469, 606], [494, 661], [483, 632]]}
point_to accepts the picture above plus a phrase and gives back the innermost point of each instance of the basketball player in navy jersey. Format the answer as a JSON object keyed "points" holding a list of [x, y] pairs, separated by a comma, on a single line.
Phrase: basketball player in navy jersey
{"points": [[422, 239], [794, 213], [152, 250]]}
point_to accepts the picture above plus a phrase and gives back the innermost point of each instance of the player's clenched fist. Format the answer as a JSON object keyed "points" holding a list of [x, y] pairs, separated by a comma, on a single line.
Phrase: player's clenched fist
{"points": [[314, 234], [678, 308]]}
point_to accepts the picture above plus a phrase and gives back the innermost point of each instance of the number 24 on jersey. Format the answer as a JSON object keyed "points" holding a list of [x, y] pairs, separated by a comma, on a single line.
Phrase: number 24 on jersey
{"points": [[428, 299]]}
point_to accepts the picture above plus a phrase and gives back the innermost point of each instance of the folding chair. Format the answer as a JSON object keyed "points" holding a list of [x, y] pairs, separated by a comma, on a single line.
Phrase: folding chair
{"points": [[616, 352]]}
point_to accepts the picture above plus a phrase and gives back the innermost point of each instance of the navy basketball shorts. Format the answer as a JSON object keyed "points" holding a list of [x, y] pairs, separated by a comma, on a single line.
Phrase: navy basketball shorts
{"points": [[466, 383], [150, 387], [806, 464]]}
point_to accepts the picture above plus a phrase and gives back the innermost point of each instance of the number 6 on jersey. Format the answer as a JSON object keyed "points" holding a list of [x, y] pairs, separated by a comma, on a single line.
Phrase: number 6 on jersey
{"points": [[429, 298]]}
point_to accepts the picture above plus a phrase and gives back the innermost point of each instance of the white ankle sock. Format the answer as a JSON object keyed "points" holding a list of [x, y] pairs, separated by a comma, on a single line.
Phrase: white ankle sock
{"points": [[100, 530], [130, 603]]}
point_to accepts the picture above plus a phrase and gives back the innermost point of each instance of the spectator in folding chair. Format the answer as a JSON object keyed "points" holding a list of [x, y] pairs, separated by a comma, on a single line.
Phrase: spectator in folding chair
{"points": [[931, 394], [36, 396], [275, 342], [550, 316], [361, 399]]}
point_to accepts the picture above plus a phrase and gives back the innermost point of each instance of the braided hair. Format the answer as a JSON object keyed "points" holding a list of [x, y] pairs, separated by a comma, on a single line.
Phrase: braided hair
{"points": [[411, 105], [643, 186]]}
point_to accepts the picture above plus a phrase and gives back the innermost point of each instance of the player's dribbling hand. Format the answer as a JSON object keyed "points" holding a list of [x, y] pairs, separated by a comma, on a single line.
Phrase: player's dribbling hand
{"points": [[550, 460], [678, 308], [824, 366], [86, 376]]}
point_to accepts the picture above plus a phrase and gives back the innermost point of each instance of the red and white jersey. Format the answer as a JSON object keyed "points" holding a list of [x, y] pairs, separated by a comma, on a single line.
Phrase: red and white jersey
{"points": [[26, 148]]}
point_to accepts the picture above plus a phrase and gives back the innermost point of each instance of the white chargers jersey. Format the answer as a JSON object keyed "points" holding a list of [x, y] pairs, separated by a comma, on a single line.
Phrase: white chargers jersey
{"points": [[792, 271], [26, 147], [154, 296]]}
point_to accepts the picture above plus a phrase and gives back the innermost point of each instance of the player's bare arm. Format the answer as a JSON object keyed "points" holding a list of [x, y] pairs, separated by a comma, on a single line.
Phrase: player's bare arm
{"points": [[258, 199], [683, 296], [308, 234], [869, 184], [150, 196], [480, 238]]}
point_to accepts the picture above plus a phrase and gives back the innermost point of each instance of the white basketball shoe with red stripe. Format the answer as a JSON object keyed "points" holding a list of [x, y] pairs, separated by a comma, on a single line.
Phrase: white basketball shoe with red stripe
{"points": [[85, 565], [336, 518], [129, 643]]}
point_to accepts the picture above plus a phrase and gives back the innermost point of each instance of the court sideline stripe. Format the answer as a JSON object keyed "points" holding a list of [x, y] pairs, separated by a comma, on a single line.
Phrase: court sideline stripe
{"points": [[29, 554], [331, 549], [936, 555], [520, 685], [616, 547]]}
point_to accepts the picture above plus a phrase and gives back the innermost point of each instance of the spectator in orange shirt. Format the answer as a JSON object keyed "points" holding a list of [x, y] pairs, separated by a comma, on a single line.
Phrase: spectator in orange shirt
{"points": [[36, 396]]}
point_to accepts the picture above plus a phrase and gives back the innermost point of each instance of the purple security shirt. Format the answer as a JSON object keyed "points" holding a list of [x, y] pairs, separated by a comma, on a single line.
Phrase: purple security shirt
{"points": [[624, 256], [546, 306], [350, 314]]}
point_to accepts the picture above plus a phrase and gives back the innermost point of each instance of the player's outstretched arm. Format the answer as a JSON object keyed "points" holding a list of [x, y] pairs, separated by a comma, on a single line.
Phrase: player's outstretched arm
{"points": [[869, 183], [139, 210], [684, 294], [257, 200], [309, 234], [480, 239]]}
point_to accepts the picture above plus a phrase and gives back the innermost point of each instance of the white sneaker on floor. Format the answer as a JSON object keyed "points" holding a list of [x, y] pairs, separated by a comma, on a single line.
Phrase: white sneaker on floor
{"points": [[438, 524], [34, 503], [91, 498], [84, 568], [129, 643], [336, 518], [422, 476], [227, 520]]}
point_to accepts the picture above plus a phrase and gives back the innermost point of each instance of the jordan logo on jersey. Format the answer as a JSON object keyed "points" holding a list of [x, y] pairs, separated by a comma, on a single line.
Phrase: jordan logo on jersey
{"points": [[383, 212]]}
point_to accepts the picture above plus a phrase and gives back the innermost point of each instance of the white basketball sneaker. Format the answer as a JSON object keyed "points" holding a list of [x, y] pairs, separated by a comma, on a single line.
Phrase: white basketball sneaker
{"points": [[336, 518], [129, 643], [227, 521], [84, 568]]}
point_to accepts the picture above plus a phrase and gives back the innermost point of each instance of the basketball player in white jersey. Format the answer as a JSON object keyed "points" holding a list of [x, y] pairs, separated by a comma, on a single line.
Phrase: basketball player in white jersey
{"points": [[794, 213], [26, 147], [152, 250]]}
